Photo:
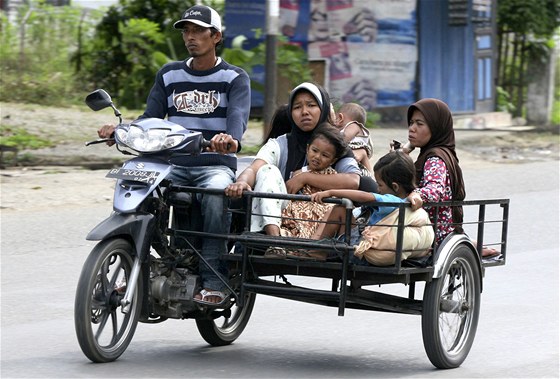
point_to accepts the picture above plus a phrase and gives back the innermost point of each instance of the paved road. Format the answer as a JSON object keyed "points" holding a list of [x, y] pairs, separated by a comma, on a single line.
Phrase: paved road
{"points": [[43, 249]]}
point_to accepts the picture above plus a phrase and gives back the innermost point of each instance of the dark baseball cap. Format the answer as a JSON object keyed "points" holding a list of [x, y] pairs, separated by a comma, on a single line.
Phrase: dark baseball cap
{"points": [[200, 15]]}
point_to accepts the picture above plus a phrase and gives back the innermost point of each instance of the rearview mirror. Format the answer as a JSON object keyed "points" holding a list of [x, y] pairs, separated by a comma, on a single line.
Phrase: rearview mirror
{"points": [[98, 99]]}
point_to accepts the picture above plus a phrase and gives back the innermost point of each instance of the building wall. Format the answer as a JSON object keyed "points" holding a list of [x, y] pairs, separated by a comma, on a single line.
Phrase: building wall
{"points": [[385, 54], [369, 46]]}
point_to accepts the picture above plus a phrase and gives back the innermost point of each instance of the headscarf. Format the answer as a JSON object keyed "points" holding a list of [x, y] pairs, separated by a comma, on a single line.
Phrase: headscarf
{"points": [[298, 139], [441, 145]]}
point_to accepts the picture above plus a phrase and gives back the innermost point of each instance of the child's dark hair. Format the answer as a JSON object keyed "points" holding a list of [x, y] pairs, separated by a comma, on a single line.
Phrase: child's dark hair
{"points": [[280, 123], [397, 167], [332, 134]]}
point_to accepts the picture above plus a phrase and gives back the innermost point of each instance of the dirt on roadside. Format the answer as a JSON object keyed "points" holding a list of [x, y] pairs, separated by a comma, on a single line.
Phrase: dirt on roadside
{"points": [[69, 128], [69, 173]]}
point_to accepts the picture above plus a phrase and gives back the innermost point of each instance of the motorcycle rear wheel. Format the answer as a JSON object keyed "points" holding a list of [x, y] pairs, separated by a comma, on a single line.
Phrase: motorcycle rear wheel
{"points": [[103, 331], [224, 330]]}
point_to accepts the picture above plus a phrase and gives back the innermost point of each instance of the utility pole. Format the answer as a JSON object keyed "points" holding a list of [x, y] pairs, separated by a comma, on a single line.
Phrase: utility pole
{"points": [[272, 21]]}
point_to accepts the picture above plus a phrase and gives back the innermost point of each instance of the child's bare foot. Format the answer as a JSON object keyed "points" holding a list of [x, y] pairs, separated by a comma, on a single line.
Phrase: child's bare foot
{"points": [[308, 255], [489, 251]]}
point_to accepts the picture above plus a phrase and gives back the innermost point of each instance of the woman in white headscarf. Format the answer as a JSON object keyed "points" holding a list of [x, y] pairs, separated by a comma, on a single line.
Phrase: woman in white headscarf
{"points": [[271, 171]]}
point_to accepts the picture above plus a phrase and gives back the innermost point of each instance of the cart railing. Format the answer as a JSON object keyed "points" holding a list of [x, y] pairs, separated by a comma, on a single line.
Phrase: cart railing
{"points": [[247, 255], [474, 226]]}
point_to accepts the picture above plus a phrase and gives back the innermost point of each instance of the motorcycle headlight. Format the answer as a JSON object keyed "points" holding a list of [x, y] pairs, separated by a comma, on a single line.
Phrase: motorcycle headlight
{"points": [[150, 140]]}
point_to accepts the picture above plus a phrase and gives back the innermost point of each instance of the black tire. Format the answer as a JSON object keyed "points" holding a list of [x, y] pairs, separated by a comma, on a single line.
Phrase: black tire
{"points": [[103, 331], [227, 328], [451, 309]]}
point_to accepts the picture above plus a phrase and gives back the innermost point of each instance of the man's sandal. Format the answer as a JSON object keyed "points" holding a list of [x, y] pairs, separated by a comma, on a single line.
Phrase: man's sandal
{"points": [[275, 252], [205, 294]]}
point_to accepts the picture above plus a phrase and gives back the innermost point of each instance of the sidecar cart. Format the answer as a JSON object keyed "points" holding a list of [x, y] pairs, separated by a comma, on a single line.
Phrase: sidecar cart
{"points": [[452, 274]]}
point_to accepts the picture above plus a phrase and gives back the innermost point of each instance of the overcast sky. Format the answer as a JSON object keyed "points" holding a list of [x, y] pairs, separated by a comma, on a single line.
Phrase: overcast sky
{"points": [[94, 3]]}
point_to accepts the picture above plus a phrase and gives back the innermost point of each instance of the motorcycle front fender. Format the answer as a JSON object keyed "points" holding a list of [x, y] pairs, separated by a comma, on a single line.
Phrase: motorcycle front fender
{"points": [[136, 226], [130, 194]]}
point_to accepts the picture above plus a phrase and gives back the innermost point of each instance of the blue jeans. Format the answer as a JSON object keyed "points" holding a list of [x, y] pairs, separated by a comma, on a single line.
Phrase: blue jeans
{"points": [[213, 215]]}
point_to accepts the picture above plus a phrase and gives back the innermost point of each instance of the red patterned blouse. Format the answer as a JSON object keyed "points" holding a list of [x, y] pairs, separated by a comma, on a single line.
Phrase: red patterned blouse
{"points": [[434, 187]]}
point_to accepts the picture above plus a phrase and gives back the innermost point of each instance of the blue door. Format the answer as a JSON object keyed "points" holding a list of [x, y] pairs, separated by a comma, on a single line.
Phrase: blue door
{"points": [[455, 51]]}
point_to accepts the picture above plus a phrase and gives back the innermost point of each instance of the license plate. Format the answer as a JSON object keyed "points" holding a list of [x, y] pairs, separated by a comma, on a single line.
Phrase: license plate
{"points": [[134, 175]]}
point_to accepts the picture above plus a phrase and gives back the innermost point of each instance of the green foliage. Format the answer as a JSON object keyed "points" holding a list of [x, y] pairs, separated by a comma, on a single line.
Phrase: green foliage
{"points": [[67, 51], [291, 59], [528, 27], [128, 50], [21, 139], [35, 54], [138, 38], [555, 119], [372, 120], [537, 17], [503, 101], [249, 150]]}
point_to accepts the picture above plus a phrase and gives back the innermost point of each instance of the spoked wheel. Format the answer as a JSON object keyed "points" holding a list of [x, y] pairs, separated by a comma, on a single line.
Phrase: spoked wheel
{"points": [[451, 309], [103, 331], [231, 322]]}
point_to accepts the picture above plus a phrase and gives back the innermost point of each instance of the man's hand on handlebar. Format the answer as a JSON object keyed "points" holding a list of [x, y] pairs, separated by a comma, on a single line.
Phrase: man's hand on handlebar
{"points": [[107, 131], [223, 143]]}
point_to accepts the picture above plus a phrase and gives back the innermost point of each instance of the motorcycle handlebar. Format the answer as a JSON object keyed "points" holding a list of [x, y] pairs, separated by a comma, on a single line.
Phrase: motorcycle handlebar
{"points": [[100, 140], [203, 145]]}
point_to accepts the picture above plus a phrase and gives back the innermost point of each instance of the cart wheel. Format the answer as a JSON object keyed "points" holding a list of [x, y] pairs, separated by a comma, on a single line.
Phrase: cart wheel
{"points": [[228, 327], [451, 309]]}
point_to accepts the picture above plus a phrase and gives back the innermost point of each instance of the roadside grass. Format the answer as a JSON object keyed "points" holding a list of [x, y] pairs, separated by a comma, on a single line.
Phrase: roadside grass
{"points": [[22, 139], [556, 109], [26, 128]]}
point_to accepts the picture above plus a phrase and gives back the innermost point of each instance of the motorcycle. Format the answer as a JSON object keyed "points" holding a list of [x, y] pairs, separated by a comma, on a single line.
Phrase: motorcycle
{"points": [[145, 266], [143, 269]]}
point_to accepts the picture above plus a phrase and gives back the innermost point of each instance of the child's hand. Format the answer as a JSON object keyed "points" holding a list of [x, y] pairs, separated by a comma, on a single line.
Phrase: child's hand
{"points": [[415, 201], [319, 196]]}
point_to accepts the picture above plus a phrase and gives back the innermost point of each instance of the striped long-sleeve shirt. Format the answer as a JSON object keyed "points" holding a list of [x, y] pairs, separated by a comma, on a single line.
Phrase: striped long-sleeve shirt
{"points": [[213, 101]]}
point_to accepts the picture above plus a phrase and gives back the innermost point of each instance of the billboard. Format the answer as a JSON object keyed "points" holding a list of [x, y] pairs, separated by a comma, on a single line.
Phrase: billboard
{"points": [[370, 46]]}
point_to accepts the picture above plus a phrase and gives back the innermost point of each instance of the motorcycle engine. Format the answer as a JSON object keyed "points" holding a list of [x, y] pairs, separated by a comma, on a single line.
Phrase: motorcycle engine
{"points": [[172, 292]]}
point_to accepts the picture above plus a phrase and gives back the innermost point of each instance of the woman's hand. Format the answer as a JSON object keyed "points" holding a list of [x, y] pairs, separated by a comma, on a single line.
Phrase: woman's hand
{"points": [[236, 189], [296, 183], [407, 148]]}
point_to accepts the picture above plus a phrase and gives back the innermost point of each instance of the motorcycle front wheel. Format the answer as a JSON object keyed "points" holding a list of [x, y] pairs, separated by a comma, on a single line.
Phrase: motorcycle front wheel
{"points": [[103, 331]]}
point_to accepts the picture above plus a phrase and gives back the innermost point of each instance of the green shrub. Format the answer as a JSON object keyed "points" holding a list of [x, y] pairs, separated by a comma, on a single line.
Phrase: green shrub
{"points": [[291, 58], [36, 54], [22, 139], [503, 101]]}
